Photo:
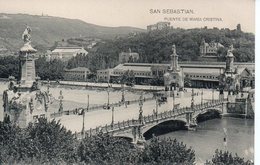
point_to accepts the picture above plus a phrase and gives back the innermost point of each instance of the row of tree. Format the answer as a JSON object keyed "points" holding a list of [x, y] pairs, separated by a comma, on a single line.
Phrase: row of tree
{"points": [[50, 143], [53, 70]]}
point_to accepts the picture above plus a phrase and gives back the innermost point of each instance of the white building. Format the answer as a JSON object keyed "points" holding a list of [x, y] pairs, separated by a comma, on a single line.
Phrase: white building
{"points": [[66, 53]]}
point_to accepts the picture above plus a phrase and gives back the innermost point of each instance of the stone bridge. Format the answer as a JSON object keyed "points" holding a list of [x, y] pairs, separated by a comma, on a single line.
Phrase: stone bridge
{"points": [[135, 129]]}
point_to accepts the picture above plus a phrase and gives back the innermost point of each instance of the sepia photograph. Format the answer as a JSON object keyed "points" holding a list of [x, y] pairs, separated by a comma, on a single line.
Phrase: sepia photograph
{"points": [[127, 82]]}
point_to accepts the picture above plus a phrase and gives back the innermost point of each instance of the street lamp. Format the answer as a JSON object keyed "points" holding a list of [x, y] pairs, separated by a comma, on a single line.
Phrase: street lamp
{"points": [[202, 96], [83, 123], [48, 86], [108, 96], [212, 94], [61, 101], [192, 99], [156, 111], [123, 93], [173, 100], [112, 122], [141, 109]]}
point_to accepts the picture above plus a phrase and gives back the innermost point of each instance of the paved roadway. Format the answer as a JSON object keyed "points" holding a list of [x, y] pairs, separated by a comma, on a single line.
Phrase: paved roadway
{"points": [[103, 117]]}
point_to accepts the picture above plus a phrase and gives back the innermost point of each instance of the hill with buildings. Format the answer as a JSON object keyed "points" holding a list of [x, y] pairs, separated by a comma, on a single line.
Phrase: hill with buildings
{"points": [[47, 29], [155, 47]]}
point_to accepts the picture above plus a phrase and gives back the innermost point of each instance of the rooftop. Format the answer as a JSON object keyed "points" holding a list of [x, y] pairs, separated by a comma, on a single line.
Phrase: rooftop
{"points": [[68, 49], [133, 67], [78, 69]]}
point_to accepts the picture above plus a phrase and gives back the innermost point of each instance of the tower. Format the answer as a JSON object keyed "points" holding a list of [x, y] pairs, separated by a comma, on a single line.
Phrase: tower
{"points": [[174, 79], [230, 79], [203, 48], [230, 60], [27, 62], [174, 60], [23, 101]]}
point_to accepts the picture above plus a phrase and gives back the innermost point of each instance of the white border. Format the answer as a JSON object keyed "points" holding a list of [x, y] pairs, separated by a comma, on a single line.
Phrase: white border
{"points": [[257, 81]]}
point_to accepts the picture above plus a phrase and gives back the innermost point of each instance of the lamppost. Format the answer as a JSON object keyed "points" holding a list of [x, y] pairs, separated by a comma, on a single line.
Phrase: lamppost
{"points": [[156, 110], [212, 94], [123, 93], [173, 100], [192, 99], [108, 106], [202, 96], [141, 109], [48, 86], [61, 101], [83, 123], [112, 122]]}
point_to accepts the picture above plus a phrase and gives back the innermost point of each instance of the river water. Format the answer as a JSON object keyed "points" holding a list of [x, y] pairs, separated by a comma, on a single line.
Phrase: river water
{"points": [[209, 136]]}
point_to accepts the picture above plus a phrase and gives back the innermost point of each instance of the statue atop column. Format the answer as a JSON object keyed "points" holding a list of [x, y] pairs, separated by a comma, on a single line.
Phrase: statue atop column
{"points": [[27, 35], [24, 101]]}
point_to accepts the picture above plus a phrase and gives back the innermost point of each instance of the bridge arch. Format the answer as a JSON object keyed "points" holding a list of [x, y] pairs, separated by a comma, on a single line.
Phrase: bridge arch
{"points": [[163, 127], [208, 114], [127, 137]]}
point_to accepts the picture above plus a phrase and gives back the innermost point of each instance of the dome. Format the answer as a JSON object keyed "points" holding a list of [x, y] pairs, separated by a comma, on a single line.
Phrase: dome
{"points": [[28, 48]]}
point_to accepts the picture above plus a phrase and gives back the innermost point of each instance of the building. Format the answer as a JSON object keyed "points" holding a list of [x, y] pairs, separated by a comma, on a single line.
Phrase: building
{"points": [[103, 75], [209, 50], [202, 76], [196, 74], [25, 102], [158, 26], [77, 74], [66, 53], [125, 57]]}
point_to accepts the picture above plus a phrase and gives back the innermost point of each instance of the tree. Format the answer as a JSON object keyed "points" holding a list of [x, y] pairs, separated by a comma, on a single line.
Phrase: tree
{"points": [[51, 141], [225, 157], [167, 151], [10, 137], [43, 142], [51, 70], [9, 66], [104, 149]]}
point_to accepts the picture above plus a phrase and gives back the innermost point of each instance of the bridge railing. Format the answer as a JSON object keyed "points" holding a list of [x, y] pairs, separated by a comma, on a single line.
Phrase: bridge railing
{"points": [[119, 126]]}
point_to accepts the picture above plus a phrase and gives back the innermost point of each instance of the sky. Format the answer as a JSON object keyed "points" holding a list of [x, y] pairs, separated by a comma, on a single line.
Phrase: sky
{"points": [[137, 13]]}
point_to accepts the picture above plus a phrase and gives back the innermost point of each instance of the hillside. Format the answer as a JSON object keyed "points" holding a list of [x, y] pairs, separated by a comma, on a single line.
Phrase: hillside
{"points": [[46, 30], [155, 47]]}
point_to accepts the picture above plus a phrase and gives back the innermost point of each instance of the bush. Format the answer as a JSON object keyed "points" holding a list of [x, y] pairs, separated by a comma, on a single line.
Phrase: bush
{"points": [[44, 142], [167, 151], [225, 157], [104, 149]]}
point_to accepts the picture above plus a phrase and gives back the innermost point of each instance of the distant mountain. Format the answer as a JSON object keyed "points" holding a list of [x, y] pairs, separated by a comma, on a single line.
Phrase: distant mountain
{"points": [[47, 29]]}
